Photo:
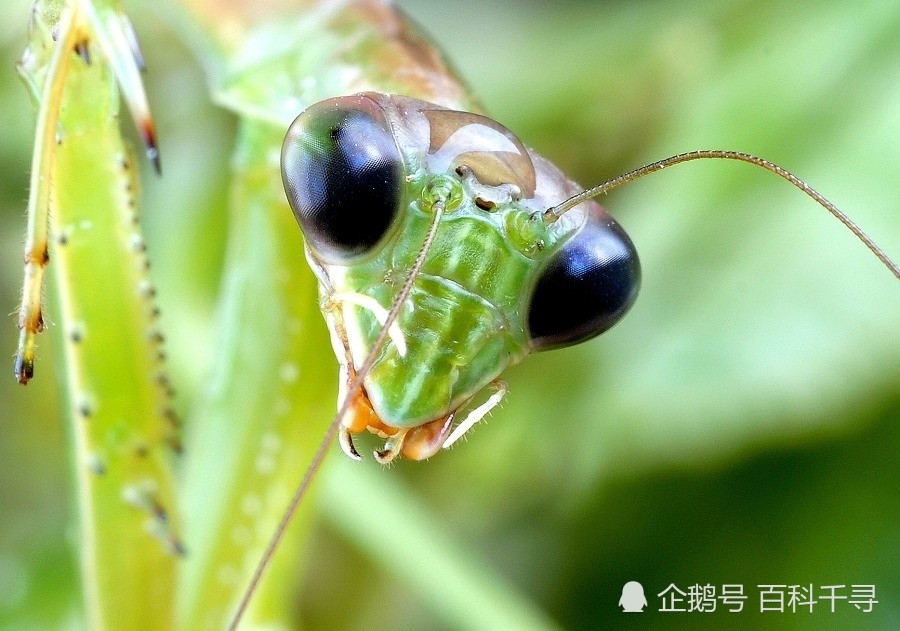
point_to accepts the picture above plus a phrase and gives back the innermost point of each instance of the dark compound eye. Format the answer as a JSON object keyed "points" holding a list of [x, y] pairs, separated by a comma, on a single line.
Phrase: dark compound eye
{"points": [[588, 285], [343, 175]]}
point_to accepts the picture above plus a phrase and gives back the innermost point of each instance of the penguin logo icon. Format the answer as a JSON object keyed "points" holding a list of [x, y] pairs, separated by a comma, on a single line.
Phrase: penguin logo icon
{"points": [[633, 599]]}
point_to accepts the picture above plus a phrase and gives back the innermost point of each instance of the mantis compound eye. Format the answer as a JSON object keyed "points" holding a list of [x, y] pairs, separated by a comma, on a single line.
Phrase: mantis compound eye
{"points": [[586, 287], [343, 175]]}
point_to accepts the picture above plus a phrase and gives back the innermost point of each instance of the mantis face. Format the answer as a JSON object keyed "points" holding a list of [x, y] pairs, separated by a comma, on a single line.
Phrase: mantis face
{"points": [[365, 176]]}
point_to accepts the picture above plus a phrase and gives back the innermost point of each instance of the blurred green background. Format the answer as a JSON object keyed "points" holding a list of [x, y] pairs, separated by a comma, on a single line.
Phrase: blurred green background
{"points": [[741, 425]]}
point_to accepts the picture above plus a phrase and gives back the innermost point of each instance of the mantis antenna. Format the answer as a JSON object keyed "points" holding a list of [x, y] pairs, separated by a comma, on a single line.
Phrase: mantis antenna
{"points": [[552, 214], [549, 216], [355, 386]]}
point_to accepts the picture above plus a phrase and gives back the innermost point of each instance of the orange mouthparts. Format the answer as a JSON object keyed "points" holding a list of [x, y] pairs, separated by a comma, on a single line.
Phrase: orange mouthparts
{"points": [[415, 443]]}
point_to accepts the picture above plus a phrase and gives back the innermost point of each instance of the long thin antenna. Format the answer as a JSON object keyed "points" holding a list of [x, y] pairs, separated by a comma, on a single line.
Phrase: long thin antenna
{"points": [[556, 212], [355, 386]]}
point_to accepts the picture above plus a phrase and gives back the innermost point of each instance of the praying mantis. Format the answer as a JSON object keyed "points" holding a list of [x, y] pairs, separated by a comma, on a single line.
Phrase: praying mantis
{"points": [[276, 453]]}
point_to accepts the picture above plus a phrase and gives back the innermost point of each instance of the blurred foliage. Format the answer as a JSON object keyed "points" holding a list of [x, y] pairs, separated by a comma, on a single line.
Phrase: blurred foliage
{"points": [[742, 425]]}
